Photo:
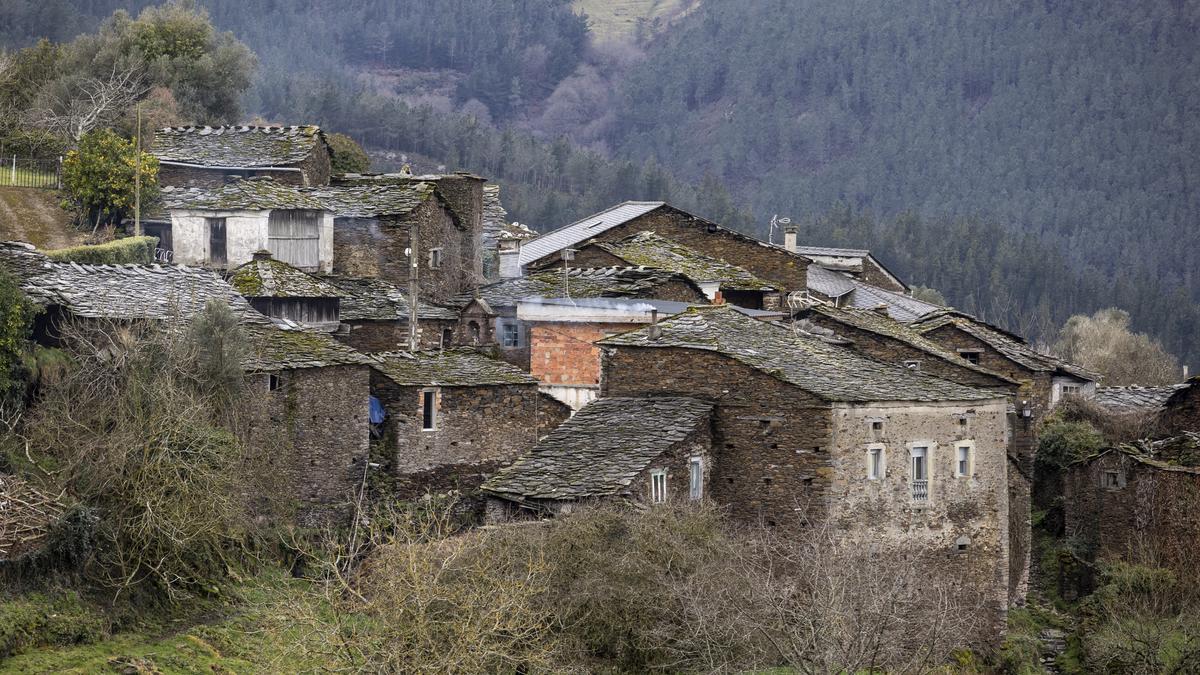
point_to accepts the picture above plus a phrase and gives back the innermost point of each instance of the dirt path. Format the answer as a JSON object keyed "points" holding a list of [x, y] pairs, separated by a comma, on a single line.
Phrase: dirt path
{"points": [[32, 215]]}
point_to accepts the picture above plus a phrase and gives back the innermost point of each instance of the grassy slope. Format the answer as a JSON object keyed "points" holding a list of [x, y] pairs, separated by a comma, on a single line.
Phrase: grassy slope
{"points": [[250, 634], [33, 215], [618, 18]]}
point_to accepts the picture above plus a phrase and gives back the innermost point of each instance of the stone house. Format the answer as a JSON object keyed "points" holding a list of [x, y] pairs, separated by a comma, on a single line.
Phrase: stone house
{"points": [[784, 269], [496, 303], [1181, 411], [644, 450], [807, 433], [563, 355], [379, 224], [734, 284], [203, 156], [1044, 381], [280, 291], [454, 416], [307, 403], [375, 314], [221, 227], [1138, 502]]}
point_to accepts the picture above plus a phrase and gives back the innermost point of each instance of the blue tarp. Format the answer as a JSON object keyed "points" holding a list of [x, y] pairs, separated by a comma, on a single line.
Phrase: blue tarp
{"points": [[377, 412]]}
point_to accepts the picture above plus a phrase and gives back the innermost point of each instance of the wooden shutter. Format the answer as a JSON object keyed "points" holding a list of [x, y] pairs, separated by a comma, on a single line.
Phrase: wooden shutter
{"points": [[294, 236]]}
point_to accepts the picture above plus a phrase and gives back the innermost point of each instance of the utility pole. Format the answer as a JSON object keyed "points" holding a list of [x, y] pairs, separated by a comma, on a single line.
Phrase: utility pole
{"points": [[137, 175], [412, 289]]}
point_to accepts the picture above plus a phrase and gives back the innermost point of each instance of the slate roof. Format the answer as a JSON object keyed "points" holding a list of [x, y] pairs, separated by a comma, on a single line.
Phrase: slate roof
{"points": [[900, 307], [461, 367], [1009, 345], [277, 347], [370, 299], [830, 372], [829, 283], [265, 277], [589, 282], [372, 200], [124, 292], [1131, 399], [664, 307], [582, 230], [601, 449], [260, 193], [651, 250], [873, 322], [237, 146]]}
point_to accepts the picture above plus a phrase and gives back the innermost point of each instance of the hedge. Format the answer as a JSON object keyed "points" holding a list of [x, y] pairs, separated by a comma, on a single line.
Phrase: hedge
{"points": [[138, 250]]}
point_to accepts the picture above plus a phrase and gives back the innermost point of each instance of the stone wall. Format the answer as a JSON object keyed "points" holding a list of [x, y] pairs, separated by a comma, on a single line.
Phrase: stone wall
{"points": [[875, 275], [1183, 413], [967, 510], [1152, 514], [193, 176], [771, 454], [316, 420], [383, 336], [478, 429], [375, 247]]}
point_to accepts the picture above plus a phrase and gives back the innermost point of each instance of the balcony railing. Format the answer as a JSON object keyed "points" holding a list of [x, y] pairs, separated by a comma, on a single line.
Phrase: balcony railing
{"points": [[920, 490]]}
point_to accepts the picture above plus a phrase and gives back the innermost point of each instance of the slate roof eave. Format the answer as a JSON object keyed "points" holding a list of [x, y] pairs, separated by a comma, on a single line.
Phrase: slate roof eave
{"points": [[583, 282], [649, 249], [237, 146], [458, 367]]}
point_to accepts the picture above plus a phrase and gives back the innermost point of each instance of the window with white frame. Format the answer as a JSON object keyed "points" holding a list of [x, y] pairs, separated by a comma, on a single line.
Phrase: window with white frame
{"points": [[919, 481], [658, 486], [510, 334], [971, 355], [428, 409], [695, 477], [1070, 390], [876, 463], [963, 461], [435, 258]]}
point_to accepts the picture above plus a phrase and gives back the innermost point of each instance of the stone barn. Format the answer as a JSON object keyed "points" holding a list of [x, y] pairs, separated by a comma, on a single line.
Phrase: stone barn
{"points": [[454, 416], [280, 291]]}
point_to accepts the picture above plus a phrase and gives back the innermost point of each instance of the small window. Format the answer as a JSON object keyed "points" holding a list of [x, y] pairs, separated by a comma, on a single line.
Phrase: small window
{"points": [[962, 544], [274, 381], [971, 356], [429, 409], [447, 337], [510, 334], [696, 478], [1070, 390], [1112, 480], [920, 474], [875, 461], [877, 430], [912, 365], [435, 258], [658, 486], [962, 461], [217, 254]]}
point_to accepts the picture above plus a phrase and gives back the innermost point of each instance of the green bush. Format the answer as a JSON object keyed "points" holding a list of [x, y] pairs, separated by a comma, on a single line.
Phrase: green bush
{"points": [[1060, 443], [137, 250], [57, 619]]}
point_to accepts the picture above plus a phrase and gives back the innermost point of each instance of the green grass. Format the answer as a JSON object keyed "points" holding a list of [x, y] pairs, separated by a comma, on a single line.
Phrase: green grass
{"points": [[249, 632], [26, 177]]}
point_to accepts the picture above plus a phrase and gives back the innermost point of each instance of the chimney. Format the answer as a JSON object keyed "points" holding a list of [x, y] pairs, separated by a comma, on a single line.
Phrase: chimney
{"points": [[655, 329], [509, 253], [261, 254], [789, 238]]}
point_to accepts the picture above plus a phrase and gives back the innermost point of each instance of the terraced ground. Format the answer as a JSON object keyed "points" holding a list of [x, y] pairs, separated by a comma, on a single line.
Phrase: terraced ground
{"points": [[34, 215], [619, 18]]}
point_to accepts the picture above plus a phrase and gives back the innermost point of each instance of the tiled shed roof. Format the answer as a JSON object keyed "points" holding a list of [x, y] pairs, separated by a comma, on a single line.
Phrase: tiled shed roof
{"points": [[237, 146], [873, 322], [592, 282], [830, 372], [250, 194], [829, 283], [900, 307], [601, 449], [372, 200], [1130, 399], [369, 299], [274, 347], [265, 277], [462, 367], [121, 291], [651, 250], [582, 230], [1010, 346]]}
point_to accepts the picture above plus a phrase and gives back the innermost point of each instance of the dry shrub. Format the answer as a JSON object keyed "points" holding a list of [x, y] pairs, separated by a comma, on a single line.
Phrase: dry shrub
{"points": [[143, 430], [1116, 427]]}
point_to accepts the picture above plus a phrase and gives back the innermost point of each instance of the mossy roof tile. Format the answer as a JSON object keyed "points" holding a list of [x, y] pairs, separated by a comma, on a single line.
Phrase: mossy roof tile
{"points": [[461, 367], [238, 146]]}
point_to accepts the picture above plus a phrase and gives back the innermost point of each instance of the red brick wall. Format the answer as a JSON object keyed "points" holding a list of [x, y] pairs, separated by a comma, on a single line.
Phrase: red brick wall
{"points": [[564, 353]]}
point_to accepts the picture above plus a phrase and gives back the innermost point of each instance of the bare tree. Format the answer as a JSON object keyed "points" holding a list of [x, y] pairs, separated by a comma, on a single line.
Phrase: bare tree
{"points": [[93, 103]]}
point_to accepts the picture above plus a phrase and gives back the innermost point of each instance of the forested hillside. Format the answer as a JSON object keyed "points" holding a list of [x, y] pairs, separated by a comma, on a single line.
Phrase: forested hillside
{"points": [[1048, 131]]}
